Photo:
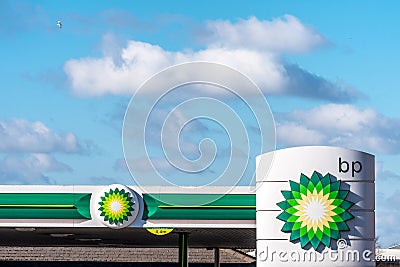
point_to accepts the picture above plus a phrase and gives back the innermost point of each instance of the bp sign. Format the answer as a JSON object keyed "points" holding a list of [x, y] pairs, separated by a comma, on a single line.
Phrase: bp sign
{"points": [[315, 205], [115, 206], [315, 210]]}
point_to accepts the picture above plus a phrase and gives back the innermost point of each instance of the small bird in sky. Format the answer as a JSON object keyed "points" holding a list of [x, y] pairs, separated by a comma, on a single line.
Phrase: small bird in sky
{"points": [[59, 24]]}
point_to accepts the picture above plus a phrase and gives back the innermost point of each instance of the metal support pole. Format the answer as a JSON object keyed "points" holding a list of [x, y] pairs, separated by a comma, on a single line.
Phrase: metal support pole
{"points": [[216, 257], [183, 250]]}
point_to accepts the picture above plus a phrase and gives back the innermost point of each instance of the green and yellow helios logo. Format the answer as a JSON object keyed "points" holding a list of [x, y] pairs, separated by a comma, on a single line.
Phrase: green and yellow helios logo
{"points": [[116, 206], [315, 210]]}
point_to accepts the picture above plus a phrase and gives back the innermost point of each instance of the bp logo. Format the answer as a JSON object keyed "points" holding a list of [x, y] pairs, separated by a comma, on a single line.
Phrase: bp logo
{"points": [[315, 210], [116, 206]]}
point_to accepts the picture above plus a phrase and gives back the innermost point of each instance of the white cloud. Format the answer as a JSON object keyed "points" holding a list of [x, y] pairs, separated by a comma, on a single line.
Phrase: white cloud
{"points": [[286, 34], [37, 162], [292, 134], [29, 169], [34, 137], [124, 72], [96, 77], [340, 125]]}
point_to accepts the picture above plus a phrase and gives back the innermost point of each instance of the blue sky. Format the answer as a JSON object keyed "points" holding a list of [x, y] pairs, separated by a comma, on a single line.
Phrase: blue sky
{"points": [[327, 68]]}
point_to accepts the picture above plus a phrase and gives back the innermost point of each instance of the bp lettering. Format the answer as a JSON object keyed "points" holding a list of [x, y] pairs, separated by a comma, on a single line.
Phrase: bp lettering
{"points": [[345, 166]]}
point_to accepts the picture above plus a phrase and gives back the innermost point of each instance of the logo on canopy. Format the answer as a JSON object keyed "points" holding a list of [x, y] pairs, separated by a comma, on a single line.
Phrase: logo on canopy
{"points": [[115, 206]]}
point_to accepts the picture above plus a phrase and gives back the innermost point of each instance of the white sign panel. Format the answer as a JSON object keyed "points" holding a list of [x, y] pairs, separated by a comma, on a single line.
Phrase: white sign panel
{"points": [[316, 205]]}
